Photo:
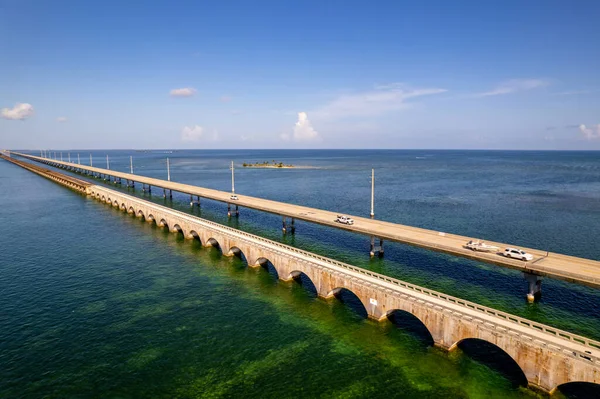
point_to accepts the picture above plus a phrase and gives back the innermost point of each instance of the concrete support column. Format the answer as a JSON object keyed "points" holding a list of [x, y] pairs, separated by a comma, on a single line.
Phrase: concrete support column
{"points": [[198, 197], [191, 200], [237, 211], [293, 226], [164, 193], [284, 224], [228, 210], [535, 286], [170, 194], [373, 249]]}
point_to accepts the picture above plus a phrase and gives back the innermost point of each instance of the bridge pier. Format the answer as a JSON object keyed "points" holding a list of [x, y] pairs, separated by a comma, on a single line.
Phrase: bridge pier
{"points": [[284, 224], [192, 202], [293, 231], [535, 286], [228, 210], [374, 249]]}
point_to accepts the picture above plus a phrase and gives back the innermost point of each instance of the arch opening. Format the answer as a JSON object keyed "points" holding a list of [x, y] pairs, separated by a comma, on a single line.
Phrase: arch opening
{"points": [[577, 389], [163, 223], [131, 210], [140, 214], [351, 301], [151, 219], [213, 243], [266, 264], [235, 251], [123, 207], [304, 281], [195, 236], [411, 325], [115, 203], [495, 358], [177, 229]]}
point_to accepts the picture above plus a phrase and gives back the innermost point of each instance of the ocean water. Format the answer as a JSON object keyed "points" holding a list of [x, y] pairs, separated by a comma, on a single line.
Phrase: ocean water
{"points": [[96, 303]]}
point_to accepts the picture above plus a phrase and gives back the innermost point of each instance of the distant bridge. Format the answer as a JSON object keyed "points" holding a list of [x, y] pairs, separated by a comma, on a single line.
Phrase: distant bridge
{"points": [[548, 357]]}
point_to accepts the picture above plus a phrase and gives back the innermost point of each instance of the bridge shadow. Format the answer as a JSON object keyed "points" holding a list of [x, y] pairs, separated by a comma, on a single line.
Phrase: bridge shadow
{"points": [[578, 390], [494, 358], [410, 324]]}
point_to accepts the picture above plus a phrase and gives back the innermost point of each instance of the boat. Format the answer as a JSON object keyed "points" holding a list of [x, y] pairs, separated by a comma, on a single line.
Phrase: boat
{"points": [[481, 246]]}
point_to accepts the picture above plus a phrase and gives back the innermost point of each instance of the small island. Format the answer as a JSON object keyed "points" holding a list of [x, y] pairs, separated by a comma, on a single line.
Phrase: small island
{"points": [[267, 164]]}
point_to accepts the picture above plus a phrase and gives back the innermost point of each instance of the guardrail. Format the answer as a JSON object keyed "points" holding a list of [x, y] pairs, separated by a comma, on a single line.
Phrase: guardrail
{"points": [[561, 334]]}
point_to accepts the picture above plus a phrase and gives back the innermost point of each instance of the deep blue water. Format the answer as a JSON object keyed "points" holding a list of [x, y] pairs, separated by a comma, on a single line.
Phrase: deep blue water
{"points": [[86, 286]]}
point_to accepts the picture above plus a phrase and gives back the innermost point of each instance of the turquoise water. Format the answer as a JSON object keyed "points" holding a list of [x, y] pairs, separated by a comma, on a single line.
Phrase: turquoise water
{"points": [[99, 304]]}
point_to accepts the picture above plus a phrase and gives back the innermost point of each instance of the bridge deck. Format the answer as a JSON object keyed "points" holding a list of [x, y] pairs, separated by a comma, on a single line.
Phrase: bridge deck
{"points": [[564, 267]]}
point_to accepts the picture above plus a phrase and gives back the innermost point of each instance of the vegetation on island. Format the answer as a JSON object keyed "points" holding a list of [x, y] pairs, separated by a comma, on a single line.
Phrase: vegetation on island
{"points": [[266, 164]]}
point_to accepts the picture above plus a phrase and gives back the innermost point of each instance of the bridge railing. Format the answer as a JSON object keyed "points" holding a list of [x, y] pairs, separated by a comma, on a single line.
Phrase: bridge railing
{"points": [[561, 334]]}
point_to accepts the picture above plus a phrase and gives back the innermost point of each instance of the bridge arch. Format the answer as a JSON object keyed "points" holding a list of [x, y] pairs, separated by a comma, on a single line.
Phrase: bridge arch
{"points": [[103, 198], [140, 214], [211, 242], [578, 389], [131, 210], [237, 252], [194, 236], [163, 223], [115, 203], [304, 280], [411, 324], [494, 357], [123, 207], [150, 218], [350, 299], [177, 229], [266, 264]]}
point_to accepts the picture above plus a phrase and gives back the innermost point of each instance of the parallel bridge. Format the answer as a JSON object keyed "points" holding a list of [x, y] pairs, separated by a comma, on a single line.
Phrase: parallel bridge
{"points": [[548, 357], [563, 267]]}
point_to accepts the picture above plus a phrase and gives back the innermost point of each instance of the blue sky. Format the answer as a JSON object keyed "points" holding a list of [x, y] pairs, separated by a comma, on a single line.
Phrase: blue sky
{"points": [[303, 74]]}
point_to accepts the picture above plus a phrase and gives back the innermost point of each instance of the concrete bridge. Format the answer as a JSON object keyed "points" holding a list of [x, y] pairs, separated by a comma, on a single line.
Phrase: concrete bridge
{"points": [[569, 268], [548, 357]]}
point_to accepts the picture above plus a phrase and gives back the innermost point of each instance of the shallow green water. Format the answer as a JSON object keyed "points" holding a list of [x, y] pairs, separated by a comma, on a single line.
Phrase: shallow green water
{"points": [[96, 303]]}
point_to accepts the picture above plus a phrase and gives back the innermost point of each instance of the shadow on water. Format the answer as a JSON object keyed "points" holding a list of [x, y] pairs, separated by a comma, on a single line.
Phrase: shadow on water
{"points": [[495, 358], [578, 390], [351, 302], [412, 326]]}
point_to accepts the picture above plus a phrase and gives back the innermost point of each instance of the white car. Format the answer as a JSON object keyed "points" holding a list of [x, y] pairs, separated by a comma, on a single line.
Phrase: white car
{"points": [[233, 197], [517, 254], [344, 219]]}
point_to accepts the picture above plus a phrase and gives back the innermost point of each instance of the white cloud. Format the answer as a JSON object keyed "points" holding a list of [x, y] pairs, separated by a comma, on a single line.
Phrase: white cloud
{"points": [[303, 130], [382, 99], [590, 132], [513, 86], [183, 92], [573, 92], [19, 112], [61, 119], [193, 133]]}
